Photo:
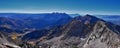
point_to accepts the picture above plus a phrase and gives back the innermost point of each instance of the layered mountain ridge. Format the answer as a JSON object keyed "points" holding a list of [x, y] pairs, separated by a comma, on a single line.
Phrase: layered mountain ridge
{"points": [[39, 21], [80, 32]]}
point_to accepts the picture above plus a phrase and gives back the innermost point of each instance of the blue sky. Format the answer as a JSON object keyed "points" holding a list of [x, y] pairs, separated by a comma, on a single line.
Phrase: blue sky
{"points": [[68, 6]]}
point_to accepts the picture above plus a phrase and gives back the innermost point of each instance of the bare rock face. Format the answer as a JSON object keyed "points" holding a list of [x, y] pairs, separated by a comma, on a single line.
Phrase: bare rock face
{"points": [[102, 37]]}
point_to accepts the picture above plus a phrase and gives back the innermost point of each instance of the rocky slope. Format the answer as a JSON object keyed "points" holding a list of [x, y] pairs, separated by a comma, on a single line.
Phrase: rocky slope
{"points": [[6, 42], [102, 37]]}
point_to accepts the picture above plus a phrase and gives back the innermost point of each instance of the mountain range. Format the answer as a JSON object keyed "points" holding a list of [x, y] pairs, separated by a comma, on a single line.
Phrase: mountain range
{"points": [[58, 30], [38, 21]]}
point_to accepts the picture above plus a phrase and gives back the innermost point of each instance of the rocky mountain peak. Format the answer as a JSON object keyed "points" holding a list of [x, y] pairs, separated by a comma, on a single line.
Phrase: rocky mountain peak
{"points": [[102, 37]]}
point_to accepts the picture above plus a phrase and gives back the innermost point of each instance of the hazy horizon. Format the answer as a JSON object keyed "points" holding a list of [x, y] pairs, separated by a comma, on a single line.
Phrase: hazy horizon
{"points": [[109, 7]]}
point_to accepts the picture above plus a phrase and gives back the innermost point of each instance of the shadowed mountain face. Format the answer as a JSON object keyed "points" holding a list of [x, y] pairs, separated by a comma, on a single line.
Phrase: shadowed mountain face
{"points": [[80, 32], [63, 32], [79, 27]]}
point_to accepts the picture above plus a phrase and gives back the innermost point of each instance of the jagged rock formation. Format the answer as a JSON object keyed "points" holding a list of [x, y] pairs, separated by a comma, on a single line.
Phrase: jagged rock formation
{"points": [[102, 37]]}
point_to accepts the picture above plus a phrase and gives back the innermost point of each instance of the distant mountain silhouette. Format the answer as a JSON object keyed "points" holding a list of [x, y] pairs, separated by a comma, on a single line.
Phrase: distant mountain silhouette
{"points": [[111, 18], [12, 23], [38, 20]]}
